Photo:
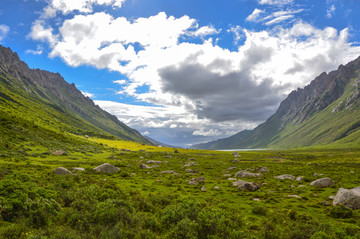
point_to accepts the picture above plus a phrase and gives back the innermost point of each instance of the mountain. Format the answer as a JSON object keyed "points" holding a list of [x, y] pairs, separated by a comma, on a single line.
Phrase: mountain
{"points": [[157, 143], [41, 107], [226, 143], [324, 112]]}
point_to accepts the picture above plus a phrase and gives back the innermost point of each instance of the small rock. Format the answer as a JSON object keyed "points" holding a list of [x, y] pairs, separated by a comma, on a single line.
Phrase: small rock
{"points": [[300, 178], [237, 156], [348, 197], [285, 176], [59, 152], [292, 186], [235, 153], [227, 175], [86, 136], [203, 189], [191, 170], [194, 181], [263, 170], [234, 160], [294, 196], [302, 186], [332, 197], [142, 166], [148, 172], [141, 157], [106, 168], [217, 187], [318, 174], [153, 162], [189, 164], [168, 171], [352, 172], [232, 179], [78, 169], [256, 199], [322, 182], [246, 174], [191, 159], [246, 186], [231, 168], [62, 171]]}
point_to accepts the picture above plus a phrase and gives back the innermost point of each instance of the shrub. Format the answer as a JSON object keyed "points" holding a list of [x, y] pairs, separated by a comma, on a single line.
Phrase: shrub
{"points": [[340, 211], [258, 210]]}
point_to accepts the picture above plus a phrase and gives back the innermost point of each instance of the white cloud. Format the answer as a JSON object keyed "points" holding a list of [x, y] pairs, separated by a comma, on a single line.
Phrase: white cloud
{"points": [[38, 51], [145, 133], [41, 33], [4, 30], [204, 31], [211, 132], [87, 94], [120, 82], [275, 2], [83, 6], [254, 16], [330, 11]]}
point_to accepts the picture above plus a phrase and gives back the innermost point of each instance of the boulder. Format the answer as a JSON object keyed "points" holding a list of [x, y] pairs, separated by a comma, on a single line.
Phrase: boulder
{"points": [[285, 176], [246, 174], [144, 166], [246, 186], [194, 181], [106, 168], [78, 169], [61, 171], [322, 182], [348, 197], [231, 168], [263, 170], [300, 178]]}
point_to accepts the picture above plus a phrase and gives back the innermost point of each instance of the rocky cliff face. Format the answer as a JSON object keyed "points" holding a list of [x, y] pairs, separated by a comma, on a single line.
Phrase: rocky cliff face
{"points": [[53, 90]]}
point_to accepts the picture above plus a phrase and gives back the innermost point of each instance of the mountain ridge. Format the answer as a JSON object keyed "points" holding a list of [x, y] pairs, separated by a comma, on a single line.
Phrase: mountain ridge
{"points": [[319, 103]]}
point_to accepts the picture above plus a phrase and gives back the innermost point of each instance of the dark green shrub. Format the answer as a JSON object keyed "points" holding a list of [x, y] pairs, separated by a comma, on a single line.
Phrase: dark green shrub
{"points": [[258, 210], [340, 211]]}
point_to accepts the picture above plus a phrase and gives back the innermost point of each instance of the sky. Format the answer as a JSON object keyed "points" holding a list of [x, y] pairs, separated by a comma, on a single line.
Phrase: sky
{"points": [[184, 72]]}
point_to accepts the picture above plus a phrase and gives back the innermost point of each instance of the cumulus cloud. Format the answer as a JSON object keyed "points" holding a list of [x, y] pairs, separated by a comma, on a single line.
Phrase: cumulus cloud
{"points": [[201, 89], [83, 6], [4, 30]]}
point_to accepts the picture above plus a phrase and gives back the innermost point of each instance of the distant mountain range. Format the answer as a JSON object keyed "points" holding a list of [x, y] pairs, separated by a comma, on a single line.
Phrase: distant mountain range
{"points": [[41, 107], [327, 111]]}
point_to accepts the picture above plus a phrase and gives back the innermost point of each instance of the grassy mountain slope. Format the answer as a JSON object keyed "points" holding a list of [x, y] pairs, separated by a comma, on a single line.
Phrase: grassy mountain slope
{"points": [[324, 112], [41, 107]]}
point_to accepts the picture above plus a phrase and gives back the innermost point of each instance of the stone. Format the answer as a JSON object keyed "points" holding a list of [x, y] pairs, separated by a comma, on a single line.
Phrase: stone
{"points": [[318, 174], [217, 187], [227, 175], [294, 196], [194, 181], [246, 174], [153, 162], [348, 197], [332, 197], [78, 169], [322, 182], [231, 168], [232, 179], [106, 168], [285, 176], [203, 189], [263, 170], [234, 160], [59, 152], [168, 171], [246, 186], [62, 171], [256, 199], [189, 164], [300, 178], [142, 166], [191, 159], [302, 186], [191, 170]]}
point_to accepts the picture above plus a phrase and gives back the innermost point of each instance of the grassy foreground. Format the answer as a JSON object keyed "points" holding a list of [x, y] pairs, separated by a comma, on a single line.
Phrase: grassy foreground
{"points": [[152, 203]]}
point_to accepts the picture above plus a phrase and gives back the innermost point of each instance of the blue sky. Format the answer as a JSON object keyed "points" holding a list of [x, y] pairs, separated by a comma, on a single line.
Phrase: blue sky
{"points": [[184, 72]]}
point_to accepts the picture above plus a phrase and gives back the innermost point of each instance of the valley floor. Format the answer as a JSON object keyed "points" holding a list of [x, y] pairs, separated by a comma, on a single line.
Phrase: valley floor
{"points": [[187, 194]]}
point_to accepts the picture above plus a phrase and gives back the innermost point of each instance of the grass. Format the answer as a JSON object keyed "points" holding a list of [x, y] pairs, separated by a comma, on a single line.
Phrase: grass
{"points": [[146, 203]]}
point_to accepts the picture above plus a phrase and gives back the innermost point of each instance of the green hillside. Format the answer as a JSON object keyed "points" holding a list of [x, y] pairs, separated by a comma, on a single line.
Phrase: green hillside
{"points": [[42, 108]]}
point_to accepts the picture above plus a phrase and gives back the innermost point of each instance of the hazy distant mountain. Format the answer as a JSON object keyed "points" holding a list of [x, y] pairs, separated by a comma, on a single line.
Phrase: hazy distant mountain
{"points": [[324, 112], [226, 143], [39, 106], [157, 143]]}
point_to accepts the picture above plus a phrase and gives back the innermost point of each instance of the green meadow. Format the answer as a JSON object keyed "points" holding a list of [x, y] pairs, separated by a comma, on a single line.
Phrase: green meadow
{"points": [[159, 202]]}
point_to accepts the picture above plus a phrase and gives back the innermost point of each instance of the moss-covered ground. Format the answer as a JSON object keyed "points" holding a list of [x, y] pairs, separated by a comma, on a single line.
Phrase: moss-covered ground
{"points": [[146, 203]]}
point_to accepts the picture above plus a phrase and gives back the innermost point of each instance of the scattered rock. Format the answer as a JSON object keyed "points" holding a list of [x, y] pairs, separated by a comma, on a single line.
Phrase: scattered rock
{"points": [[189, 164], [106, 168], [348, 197], [191, 170], [318, 174], [203, 189], [168, 171], [78, 169], [246, 174], [292, 186], [141, 157], [194, 181], [191, 159], [237, 156], [234, 160], [235, 153], [263, 170], [322, 182], [227, 175], [232, 179], [59, 152], [302, 186], [153, 162], [168, 156], [62, 171], [86, 136], [294, 196], [246, 186], [256, 199], [300, 178], [231, 168], [352, 172], [285, 176], [217, 187], [144, 166]]}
